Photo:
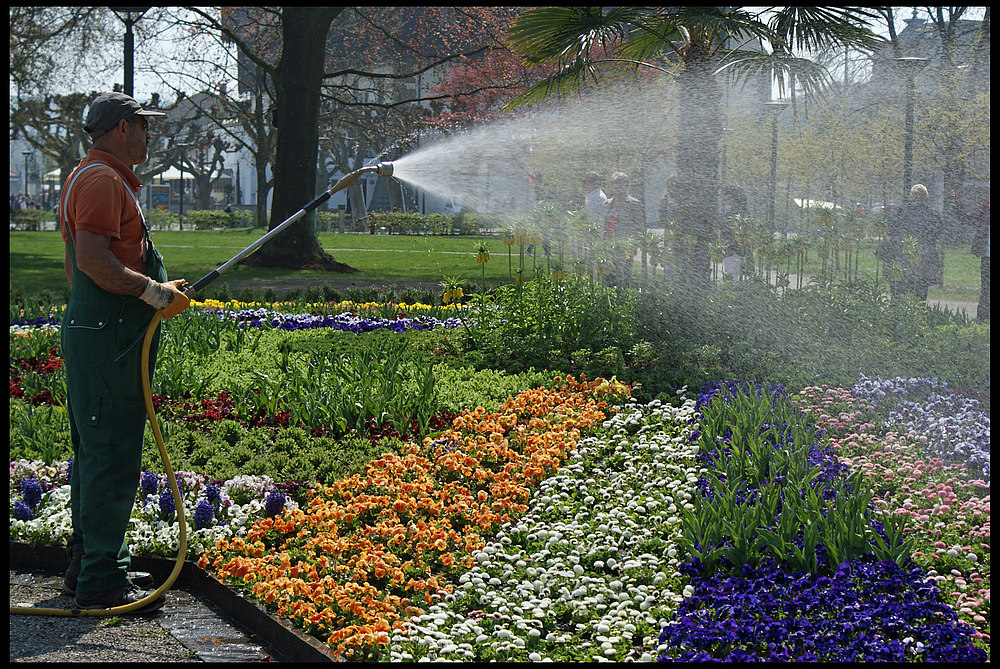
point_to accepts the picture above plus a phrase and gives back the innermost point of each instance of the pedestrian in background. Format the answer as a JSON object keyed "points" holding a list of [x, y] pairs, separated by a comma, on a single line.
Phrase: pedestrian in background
{"points": [[622, 220], [918, 231], [594, 198], [981, 248]]}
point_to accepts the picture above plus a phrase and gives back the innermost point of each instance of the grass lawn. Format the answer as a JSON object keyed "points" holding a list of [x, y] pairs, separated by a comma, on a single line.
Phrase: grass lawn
{"points": [[36, 259]]}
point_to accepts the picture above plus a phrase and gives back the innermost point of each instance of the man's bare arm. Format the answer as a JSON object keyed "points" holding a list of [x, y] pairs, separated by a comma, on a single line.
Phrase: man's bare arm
{"points": [[95, 259]]}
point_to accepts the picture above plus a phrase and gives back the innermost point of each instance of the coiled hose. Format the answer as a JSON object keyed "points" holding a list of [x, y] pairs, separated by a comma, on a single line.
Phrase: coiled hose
{"points": [[178, 504]]}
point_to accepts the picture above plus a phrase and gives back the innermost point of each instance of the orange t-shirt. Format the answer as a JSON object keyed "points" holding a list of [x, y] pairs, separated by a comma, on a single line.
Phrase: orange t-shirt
{"points": [[98, 203]]}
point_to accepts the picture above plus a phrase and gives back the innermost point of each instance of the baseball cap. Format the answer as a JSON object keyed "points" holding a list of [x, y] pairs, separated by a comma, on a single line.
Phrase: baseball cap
{"points": [[109, 108]]}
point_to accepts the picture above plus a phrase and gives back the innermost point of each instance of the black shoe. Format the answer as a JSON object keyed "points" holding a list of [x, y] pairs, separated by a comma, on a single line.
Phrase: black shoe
{"points": [[139, 579], [109, 599]]}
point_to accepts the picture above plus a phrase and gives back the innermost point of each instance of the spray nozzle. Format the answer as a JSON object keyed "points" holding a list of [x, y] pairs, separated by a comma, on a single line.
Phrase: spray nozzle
{"points": [[384, 169]]}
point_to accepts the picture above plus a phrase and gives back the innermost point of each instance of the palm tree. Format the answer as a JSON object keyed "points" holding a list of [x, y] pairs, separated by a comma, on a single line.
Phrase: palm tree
{"points": [[687, 41]]}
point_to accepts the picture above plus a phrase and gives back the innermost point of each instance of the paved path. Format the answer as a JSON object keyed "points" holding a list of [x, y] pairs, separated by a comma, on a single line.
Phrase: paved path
{"points": [[187, 629]]}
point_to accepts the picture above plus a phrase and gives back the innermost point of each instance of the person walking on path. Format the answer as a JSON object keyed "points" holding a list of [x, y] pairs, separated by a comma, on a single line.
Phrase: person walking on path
{"points": [[117, 284], [622, 220], [981, 248], [919, 229]]}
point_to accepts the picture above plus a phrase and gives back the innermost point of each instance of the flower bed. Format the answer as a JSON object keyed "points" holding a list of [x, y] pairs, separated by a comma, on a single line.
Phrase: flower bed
{"points": [[947, 504], [590, 571], [546, 530], [366, 552], [856, 609]]}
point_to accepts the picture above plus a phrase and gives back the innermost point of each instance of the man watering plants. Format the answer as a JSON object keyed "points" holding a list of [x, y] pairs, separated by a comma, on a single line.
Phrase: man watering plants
{"points": [[117, 284]]}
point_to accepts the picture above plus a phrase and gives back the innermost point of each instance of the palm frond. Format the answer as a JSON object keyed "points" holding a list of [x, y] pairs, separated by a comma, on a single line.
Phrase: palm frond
{"points": [[564, 34], [814, 78], [815, 28], [570, 78]]}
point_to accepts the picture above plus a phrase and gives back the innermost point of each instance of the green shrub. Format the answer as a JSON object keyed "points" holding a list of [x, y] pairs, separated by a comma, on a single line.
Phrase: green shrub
{"points": [[464, 387], [160, 219], [31, 219], [522, 326], [217, 219], [412, 223]]}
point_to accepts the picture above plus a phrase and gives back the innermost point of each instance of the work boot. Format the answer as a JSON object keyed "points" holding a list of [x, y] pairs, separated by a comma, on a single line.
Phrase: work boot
{"points": [[109, 599], [140, 579]]}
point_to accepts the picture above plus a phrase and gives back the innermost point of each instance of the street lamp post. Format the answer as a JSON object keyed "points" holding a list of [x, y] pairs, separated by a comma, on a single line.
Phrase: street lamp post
{"points": [[129, 16], [775, 107], [26, 154], [911, 66]]}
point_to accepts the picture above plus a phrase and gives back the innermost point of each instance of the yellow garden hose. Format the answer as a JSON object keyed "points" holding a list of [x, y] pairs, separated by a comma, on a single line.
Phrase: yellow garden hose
{"points": [[178, 504]]}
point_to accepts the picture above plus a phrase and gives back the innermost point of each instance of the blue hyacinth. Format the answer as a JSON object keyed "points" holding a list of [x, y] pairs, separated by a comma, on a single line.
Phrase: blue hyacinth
{"points": [[213, 493], [274, 502], [149, 483], [203, 514], [31, 490], [167, 502], [22, 511], [69, 470]]}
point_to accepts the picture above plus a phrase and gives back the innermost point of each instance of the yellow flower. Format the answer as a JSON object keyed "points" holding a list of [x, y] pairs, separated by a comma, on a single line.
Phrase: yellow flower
{"points": [[482, 253]]}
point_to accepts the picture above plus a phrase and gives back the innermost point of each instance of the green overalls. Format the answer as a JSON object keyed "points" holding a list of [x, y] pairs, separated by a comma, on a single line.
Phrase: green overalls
{"points": [[101, 336]]}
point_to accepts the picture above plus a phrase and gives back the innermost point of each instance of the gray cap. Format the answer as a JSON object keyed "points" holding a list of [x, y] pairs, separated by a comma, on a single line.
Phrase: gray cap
{"points": [[109, 108]]}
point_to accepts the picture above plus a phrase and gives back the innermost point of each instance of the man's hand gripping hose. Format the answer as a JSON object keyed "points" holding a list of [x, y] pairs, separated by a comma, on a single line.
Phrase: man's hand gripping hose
{"points": [[177, 299]]}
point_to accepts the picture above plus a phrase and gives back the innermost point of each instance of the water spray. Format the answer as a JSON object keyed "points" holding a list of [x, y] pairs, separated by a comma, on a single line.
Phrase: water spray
{"points": [[384, 169]]}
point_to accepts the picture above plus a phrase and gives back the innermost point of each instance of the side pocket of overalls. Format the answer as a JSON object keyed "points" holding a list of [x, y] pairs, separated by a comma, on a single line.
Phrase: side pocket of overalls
{"points": [[89, 332]]}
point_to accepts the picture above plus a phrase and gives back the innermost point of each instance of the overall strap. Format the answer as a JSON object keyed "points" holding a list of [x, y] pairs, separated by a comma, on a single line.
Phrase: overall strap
{"points": [[65, 199]]}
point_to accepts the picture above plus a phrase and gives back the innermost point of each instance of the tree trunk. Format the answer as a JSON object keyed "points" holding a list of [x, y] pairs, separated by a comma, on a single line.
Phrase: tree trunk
{"points": [[359, 209], [203, 185], [395, 195], [698, 161], [298, 80], [263, 188]]}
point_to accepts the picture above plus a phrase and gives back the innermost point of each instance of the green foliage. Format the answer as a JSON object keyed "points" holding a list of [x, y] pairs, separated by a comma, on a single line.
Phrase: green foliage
{"points": [[217, 219], [400, 223], [541, 323], [765, 494], [830, 333], [225, 450], [160, 219], [31, 219], [464, 387], [38, 432]]}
